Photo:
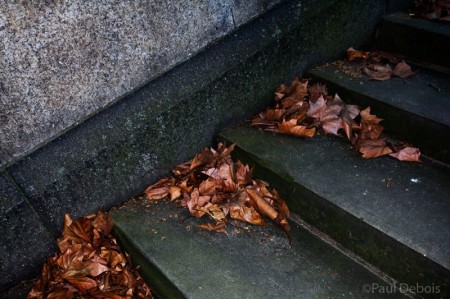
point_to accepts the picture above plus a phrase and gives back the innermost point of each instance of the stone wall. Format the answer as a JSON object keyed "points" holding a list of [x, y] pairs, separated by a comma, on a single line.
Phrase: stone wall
{"points": [[61, 61]]}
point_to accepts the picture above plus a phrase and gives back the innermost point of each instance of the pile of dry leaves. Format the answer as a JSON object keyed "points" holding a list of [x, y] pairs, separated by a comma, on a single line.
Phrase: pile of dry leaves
{"points": [[302, 110], [213, 185], [89, 264], [432, 10], [381, 65]]}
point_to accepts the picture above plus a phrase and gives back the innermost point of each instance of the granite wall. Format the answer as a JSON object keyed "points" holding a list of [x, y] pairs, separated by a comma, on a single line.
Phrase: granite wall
{"points": [[61, 61]]}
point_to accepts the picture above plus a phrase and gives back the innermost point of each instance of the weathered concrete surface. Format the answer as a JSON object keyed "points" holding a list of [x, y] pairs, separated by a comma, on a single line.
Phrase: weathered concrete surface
{"points": [[120, 151], [394, 214], [181, 261], [24, 240], [61, 61]]}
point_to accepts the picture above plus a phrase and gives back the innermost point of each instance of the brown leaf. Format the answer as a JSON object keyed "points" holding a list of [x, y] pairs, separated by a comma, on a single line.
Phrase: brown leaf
{"points": [[243, 174], [266, 209], [353, 54], [274, 114], [403, 70], [218, 227], [214, 211], [327, 114], [204, 157], [103, 222], [316, 90], [159, 190], [209, 186], [246, 214], [370, 127], [175, 192], [379, 72], [373, 148], [410, 154], [82, 283], [291, 127]]}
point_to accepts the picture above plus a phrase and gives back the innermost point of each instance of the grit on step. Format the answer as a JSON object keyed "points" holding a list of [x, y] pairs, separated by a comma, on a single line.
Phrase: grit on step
{"points": [[394, 214], [416, 38], [181, 261], [416, 109]]}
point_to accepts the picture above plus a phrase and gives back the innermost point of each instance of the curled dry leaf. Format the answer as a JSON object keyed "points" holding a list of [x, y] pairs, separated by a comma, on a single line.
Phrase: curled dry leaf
{"points": [[291, 127], [411, 154], [378, 72], [373, 148], [403, 70], [353, 54], [219, 227]]}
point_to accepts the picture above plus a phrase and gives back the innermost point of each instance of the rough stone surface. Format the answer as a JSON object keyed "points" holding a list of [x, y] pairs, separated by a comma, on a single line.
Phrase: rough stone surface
{"points": [[24, 241], [345, 195], [117, 153], [62, 61], [248, 262]]}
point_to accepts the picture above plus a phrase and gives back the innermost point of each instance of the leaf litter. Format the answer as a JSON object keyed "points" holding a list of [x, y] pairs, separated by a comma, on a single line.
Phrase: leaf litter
{"points": [[212, 185], [380, 65], [305, 110], [89, 264]]}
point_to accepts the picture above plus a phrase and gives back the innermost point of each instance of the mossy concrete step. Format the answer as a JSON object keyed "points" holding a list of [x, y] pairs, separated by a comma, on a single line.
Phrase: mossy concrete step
{"points": [[394, 214], [181, 261], [418, 39], [416, 109]]}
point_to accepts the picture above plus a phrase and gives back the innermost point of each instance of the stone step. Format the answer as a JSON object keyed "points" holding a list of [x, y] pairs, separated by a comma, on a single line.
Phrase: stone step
{"points": [[393, 214], [181, 261], [416, 110], [418, 39]]}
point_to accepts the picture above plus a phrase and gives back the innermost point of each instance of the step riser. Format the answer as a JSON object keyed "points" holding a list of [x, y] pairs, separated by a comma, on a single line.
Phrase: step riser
{"points": [[385, 253], [415, 43], [432, 138]]}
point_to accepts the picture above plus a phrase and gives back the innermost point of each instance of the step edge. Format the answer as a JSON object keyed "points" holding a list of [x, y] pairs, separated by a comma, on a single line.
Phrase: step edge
{"points": [[158, 282], [438, 268]]}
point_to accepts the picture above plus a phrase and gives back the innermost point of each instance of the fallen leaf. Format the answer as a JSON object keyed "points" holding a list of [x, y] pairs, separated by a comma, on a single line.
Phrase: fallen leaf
{"points": [[403, 70], [410, 154], [370, 127], [378, 72], [159, 190], [217, 227], [291, 127], [327, 115], [316, 90], [175, 192], [246, 214], [268, 210], [373, 148], [204, 157], [353, 54]]}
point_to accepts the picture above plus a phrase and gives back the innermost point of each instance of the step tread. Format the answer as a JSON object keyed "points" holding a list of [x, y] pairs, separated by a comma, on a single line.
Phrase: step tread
{"points": [[417, 95], [249, 262], [422, 40], [413, 210], [441, 28]]}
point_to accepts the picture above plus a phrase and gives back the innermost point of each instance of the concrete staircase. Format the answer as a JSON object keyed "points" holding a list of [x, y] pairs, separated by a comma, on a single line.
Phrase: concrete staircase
{"points": [[362, 228]]}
